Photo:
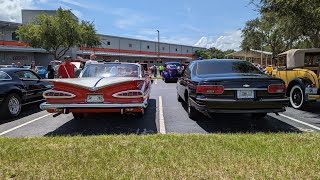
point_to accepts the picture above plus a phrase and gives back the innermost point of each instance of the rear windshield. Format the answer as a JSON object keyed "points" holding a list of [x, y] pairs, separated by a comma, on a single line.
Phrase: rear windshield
{"points": [[222, 67], [111, 70]]}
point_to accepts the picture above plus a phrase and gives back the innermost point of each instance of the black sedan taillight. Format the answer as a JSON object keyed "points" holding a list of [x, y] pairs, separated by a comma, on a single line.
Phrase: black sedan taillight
{"points": [[210, 89]]}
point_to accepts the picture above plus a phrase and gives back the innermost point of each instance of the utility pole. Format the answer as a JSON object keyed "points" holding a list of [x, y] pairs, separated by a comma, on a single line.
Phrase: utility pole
{"points": [[158, 46]]}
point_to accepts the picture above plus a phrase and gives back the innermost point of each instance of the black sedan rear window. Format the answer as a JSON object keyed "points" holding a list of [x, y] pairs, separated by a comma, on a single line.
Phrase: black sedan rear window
{"points": [[222, 67], [4, 76]]}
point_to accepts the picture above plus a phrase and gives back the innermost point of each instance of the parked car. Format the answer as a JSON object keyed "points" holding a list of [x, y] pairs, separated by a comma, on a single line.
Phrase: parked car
{"points": [[101, 87], [299, 68], [19, 87], [172, 71], [42, 71], [230, 86]]}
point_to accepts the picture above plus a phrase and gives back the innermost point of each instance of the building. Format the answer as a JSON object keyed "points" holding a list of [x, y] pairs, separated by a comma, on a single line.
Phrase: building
{"points": [[112, 48], [254, 56]]}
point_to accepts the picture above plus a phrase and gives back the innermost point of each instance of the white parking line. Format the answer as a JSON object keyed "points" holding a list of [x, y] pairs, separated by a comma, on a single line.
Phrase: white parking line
{"points": [[24, 124], [162, 127], [301, 122]]}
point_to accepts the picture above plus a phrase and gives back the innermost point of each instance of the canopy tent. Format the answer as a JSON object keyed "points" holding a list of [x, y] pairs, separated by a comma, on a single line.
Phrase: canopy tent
{"points": [[254, 56]]}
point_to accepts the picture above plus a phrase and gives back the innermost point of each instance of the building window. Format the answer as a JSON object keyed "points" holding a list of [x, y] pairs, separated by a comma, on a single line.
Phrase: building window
{"points": [[130, 45], [163, 48], [148, 47], [108, 43], [160, 62], [176, 49], [145, 61], [15, 36], [151, 62], [136, 61], [187, 50]]}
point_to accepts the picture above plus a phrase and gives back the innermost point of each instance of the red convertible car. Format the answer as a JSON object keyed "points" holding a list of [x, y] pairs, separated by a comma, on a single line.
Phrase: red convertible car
{"points": [[101, 87]]}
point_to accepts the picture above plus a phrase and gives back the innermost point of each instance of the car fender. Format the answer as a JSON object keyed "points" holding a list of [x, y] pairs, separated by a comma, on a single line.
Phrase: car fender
{"points": [[303, 82]]}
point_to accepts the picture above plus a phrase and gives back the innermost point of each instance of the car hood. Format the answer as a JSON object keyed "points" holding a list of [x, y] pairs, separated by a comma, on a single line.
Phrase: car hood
{"points": [[95, 82]]}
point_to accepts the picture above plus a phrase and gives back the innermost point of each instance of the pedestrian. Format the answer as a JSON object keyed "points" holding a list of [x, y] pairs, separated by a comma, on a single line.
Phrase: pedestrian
{"points": [[19, 65], [92, 59], [51, 72], [161, 68], [33, 67], [155, 71], [66, 69]]}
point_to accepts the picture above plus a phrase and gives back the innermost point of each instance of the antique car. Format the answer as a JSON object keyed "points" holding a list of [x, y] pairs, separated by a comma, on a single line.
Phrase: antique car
{"points": [[300, 70], [19, 87], [230, 86], [101, 87], [172, 71]]}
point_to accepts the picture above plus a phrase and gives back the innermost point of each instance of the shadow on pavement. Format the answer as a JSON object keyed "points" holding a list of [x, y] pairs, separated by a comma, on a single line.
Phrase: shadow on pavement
{"points": [[241, 123], [111, 123], [312, 108], [26, 111]]}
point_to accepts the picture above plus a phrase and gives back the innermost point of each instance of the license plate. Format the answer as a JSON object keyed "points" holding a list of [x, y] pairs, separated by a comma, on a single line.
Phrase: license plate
{"points": [[245, 94], [311, 90], [95, 98]]}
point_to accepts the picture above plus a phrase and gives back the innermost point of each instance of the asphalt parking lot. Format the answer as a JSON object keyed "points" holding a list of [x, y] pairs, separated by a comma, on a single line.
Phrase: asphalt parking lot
{"points": [[164, 115]]}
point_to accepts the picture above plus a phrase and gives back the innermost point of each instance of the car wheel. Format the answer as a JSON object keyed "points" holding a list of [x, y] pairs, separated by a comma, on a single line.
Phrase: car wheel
{"points": [[78, 116], [11, 106], [179, 97], [297, 100], [192, 112], [259, 115]]}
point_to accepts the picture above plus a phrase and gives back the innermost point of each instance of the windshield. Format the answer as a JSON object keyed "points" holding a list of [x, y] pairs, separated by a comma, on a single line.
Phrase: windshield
{"points": [[111, 70], [223, 67]]}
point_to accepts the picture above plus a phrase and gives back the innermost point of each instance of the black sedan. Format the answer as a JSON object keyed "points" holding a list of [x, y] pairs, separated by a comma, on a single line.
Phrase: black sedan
{"points": [[19, 87], [230, 86]]}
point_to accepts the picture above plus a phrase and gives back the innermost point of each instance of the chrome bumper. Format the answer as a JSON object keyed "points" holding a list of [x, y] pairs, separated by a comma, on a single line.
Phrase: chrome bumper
{"points": [[47, 106]]}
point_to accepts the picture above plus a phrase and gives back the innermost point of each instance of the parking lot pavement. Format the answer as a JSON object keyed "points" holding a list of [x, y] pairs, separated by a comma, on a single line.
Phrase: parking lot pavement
{"points": [[166, 116]]}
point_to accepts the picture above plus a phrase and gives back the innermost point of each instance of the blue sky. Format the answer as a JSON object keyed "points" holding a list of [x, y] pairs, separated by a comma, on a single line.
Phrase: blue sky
{"points": [[213, 22]]}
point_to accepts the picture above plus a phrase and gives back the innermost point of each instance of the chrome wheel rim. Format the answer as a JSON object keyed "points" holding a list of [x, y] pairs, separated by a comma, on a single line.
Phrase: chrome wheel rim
{"points": [[14, 105], [297, 97]]}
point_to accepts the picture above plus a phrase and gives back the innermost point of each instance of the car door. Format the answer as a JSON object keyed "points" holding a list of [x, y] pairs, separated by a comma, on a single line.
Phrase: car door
{"points": [[32, 84]]}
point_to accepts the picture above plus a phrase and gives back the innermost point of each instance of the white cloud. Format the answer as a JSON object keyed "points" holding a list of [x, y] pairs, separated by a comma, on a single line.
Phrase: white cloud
{"points": [[230, 40], [10, 10]]}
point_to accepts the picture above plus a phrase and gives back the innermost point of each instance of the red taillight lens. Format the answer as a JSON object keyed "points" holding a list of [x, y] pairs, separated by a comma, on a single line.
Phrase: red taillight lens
{"points": [[277, 88], [210, 89], [57, 94], [129, 94]]}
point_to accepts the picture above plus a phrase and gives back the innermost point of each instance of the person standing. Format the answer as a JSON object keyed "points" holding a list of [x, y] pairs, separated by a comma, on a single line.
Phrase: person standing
{"points": [[51, 72], [33, 67], [92, 59], [66, 69], [155, 71], [161, 68]]}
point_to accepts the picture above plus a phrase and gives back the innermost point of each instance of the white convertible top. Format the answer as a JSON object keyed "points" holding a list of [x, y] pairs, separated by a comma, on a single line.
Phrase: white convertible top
{"points": [[295, 57]]}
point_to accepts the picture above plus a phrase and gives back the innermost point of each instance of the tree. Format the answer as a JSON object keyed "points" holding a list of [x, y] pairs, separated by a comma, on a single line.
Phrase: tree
{"points": [[303, 16], [58, 33], [213, 53]]}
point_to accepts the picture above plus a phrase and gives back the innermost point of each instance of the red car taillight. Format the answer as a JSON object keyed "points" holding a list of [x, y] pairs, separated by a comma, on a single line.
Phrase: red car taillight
{"points": [[52, 94], [277, 88], [129, 94], [210, 89]]}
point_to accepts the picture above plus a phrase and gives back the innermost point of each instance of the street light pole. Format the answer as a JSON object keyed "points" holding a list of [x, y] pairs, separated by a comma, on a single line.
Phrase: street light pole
{"points": [[158, 45]]}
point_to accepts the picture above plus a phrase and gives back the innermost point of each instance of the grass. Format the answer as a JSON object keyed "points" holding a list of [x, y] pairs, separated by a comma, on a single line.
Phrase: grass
{"points": [[214, 156]]}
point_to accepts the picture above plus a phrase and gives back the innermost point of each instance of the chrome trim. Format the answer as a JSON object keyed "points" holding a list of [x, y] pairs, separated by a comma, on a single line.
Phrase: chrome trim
{"points": [[254, 89], [47, 106], [7, 75], [116, 95], [234, 100], [33, 102], [58, 97]]}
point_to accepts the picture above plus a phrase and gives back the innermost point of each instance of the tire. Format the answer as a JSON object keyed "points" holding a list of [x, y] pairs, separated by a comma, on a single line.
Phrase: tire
{"points": [[11, 106], [179, 97], [259, 115], [192, 112], [297, 99], [78, 116]]}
